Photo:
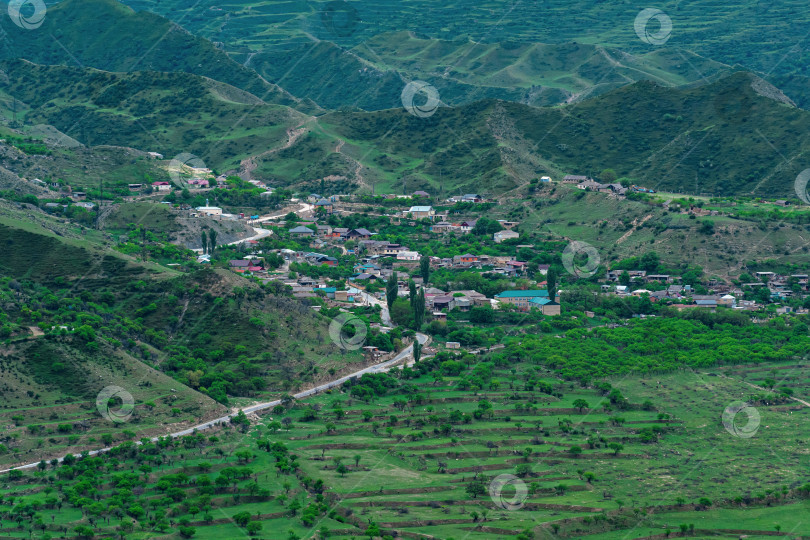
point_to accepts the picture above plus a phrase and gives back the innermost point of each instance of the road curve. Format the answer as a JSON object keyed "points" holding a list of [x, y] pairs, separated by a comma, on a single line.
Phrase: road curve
{"points": [[377, 368]]}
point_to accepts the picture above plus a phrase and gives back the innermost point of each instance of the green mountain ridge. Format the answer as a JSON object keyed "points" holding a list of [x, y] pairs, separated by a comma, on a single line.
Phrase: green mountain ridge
{"points": [[109, 36], [166, 112], [757, 36], [371, 76], [738, 135], [721, 138]]}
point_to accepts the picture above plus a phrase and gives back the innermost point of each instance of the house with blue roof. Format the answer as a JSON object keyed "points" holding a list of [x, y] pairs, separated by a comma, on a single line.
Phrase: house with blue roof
{"points": [[328, 291]]}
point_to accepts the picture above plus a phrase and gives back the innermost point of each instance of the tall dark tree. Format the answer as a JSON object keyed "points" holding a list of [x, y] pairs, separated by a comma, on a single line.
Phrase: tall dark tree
{"points": [[424, 269], [204, 240], [212, 241], [391, 290], [418, 306], [551, 283], [417, 351], [412, 293]]}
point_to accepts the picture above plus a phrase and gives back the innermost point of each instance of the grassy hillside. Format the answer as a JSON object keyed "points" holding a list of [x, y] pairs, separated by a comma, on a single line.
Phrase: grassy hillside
{"points": [[371, 75], [721, 138], [109, 36], [759, 36], [165, 112], [80, 167], [623, 229], [78, 316], [50, 385], [737, 135]]}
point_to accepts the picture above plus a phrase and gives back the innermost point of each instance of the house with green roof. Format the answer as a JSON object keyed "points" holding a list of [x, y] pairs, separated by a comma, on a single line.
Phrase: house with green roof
{"points": [[528, 299]]}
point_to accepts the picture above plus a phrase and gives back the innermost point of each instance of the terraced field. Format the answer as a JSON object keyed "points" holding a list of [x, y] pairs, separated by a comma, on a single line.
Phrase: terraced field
{"points": [[423, 459]]}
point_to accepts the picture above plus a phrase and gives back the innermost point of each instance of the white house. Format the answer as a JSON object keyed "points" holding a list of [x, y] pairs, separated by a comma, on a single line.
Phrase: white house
{"points": [[500, 236], [209, 210], [408, 256], [421, 212]]}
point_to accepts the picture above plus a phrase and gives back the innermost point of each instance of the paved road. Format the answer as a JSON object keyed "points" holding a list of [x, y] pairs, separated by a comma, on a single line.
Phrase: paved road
{"points": [[262, 233], [302, 210], [384, 314], [377, 368]]}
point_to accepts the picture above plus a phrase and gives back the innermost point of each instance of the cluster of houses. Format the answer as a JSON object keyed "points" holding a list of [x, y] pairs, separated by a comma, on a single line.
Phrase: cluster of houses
{"points": [[77, 198], [592, 185], [588, 183], [465, 227], [780, 287], [437, 301]]}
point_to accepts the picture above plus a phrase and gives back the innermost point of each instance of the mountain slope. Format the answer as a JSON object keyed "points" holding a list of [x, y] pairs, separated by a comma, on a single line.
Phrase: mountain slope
{"points": [[722, 138], [109, 36], [737, 135], [755, 36], [78, 316], [165, 112]]}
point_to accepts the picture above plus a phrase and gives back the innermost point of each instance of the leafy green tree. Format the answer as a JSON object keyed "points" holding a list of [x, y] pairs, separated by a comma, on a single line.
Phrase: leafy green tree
{"points": [[475, 488], [608, 176], [485, 227], [401, 313], [581, 404], [242, 518]]}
